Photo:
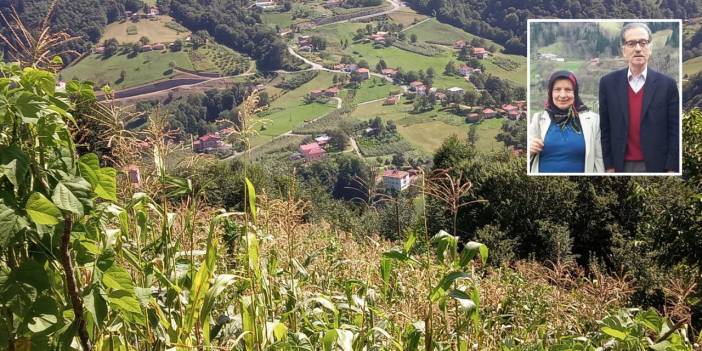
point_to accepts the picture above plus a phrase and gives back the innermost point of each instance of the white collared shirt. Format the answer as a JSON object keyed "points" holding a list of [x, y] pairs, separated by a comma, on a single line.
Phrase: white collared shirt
{"points": [[637, 82]]}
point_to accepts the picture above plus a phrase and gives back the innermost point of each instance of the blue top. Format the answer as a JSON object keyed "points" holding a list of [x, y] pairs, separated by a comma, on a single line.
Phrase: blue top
{"points": [[564, 151]]}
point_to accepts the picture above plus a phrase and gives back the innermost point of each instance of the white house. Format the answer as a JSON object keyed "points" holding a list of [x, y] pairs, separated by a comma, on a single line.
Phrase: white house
{"points": [[395, 179]]}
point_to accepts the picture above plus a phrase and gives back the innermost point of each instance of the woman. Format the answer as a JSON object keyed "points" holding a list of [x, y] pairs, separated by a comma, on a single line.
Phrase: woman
{"points": [[565, 138]]}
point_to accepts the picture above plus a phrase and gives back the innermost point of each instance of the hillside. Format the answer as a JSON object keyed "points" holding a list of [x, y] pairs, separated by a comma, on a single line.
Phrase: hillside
{"points": [[505, 24]]}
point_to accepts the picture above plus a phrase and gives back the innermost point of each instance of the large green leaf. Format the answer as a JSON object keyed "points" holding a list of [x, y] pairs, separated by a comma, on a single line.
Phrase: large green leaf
{"points": [[43, 315], [118, 279], [10, 224], [470, 250], [64, 198], [103, 180], [14, 164], [440, 289], [41, 210], [96, 306]]}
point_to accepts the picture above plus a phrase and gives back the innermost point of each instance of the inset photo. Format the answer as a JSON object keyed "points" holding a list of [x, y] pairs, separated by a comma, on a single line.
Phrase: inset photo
{"points": [[604, 97]]}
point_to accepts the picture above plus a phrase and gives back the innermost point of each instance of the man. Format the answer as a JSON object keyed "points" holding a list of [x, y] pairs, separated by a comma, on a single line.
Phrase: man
{"points": [[639, 112]]}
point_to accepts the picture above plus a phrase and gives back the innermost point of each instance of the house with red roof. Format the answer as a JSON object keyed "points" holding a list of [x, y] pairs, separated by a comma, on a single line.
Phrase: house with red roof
{"points": [[472, 117], [389, 72], [459, 44], [331, 92], [363, 72], [480, 53], [392, 100], [465, 70], [316, 93], [396, 179], [312, 151], [489, 113], [207, 142], [509, 107]]}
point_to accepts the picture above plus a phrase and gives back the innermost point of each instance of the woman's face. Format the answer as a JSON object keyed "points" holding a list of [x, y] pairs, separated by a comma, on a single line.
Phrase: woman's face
{"points": [[563, 94]]}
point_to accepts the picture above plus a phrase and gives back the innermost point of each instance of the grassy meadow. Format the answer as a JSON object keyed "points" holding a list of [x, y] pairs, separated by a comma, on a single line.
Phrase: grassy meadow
{"points": [[290, 110], [429, 129], [155, 30], [144, 68]]}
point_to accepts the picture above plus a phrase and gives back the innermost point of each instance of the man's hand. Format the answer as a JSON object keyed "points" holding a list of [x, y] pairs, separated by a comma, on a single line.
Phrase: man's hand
{"points": [[610, 170], [537, 145]]}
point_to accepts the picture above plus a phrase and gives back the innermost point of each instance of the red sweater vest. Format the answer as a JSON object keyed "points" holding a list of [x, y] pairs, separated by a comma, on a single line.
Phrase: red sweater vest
{"points": [[633, 143]]}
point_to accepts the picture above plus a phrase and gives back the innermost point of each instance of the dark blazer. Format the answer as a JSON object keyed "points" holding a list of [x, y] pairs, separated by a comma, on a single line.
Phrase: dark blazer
{"points": [[660, 121]]}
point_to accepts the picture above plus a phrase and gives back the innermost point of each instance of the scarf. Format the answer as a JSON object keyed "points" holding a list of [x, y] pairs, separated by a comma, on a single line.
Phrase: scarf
{"points": [[570, 116]]}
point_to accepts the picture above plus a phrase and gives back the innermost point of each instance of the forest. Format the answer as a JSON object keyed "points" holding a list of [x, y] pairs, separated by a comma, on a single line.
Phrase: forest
{"points": [[231, 24]]}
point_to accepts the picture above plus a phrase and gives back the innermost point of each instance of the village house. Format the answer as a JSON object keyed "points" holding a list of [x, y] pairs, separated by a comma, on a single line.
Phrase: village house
{"points": [[459, 44], [333, 3], [304, 40], [392, 100], [472, 117], [339, 67], [99, 50], [508, 108], [159, 46], [146, 48], [480, 53], [316, 93], [153, 12], [416, 84], [364, 73], [312, 151], [207, 142], [488, 113], [520, 104], [513, 115], [396, 179], [331, 92], [465, 70], [265, 5], [421, 90], [389, 72], [322, 140], [456, 90], [351, 68], [440, 96]]}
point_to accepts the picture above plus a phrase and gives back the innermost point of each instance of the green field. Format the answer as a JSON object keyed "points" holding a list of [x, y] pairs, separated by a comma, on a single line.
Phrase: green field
{"points": [[433, 30], [289, 110], [406, 17], [141, 69], [156, 31], [281, 19], [375, 88], [429, 136], [692, 66], [429, 129]]}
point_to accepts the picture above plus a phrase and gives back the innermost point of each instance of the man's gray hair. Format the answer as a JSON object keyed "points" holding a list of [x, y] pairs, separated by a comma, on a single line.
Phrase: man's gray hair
{"points": [[632, 26]]}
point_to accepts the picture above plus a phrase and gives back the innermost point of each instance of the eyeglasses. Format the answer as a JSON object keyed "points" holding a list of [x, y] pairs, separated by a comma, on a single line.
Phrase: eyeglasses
{"points": [[632, 43]]}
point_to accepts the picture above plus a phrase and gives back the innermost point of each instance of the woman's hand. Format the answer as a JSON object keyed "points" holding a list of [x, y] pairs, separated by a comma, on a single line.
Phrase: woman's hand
{"points": [[537, 145]]}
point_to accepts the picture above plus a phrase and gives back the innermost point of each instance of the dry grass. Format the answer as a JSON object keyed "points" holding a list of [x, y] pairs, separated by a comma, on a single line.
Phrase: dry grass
{"points": [[156, 31]]}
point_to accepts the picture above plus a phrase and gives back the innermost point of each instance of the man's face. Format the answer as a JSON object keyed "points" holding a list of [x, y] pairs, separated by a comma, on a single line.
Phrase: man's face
{"points": [[634, 52]]}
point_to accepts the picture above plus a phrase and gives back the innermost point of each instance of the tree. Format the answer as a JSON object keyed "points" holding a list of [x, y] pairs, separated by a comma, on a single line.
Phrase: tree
{"points": [[144, 40], [171, 66], [398, 160], [450, 68], [338, 139], [430, 72], [122, 75], [318, 43], [382, 64], [363, 64], [177, 45], [111, 46], [413, 38]]}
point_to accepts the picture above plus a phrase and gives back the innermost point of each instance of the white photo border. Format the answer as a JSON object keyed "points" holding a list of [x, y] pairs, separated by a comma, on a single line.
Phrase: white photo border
{"points": [[595, 20]]}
